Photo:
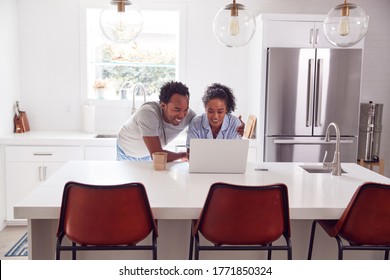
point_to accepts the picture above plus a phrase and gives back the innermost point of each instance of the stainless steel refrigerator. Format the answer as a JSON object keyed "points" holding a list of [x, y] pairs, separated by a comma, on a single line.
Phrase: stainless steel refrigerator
{"points": [[306, 90]]}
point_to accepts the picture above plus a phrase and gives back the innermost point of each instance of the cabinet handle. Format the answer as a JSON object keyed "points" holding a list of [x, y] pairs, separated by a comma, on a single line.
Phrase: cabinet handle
{"points": [[42, 154], [311, 36], [44, 173], [317, 36], [40, 173]]}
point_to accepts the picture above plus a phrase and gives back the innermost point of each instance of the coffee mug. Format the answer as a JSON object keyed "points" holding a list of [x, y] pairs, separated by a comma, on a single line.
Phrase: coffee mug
{"points": [[160, 160]]}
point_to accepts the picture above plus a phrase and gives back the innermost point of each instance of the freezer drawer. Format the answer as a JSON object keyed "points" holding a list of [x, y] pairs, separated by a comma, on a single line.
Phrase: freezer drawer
{"points": [[308, 149]]}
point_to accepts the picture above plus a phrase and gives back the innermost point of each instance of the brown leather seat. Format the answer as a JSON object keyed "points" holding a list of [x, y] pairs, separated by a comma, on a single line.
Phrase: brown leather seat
{"points": [[114, 217], [238, 217], [365, 223]]}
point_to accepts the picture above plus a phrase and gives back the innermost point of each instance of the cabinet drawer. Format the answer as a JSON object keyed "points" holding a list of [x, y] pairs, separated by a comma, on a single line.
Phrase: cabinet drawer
{"points": [[42, 153]]}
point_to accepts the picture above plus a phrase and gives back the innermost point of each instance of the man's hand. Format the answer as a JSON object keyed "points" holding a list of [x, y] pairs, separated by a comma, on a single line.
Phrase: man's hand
{"points": [[154, 145], [241, 128]]}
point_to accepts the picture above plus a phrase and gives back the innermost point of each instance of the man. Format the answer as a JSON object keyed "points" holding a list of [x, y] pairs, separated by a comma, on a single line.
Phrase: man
{"points": [[155, 124]]}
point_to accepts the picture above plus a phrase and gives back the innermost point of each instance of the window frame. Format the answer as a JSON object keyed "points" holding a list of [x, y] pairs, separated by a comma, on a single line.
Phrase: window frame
{"points": [[181, 8]]}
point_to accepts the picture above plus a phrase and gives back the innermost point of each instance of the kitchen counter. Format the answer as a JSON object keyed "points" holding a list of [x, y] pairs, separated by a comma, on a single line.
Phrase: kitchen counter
{"points": [[73, 138], [56, 138], [177, 196], [81, 139]]}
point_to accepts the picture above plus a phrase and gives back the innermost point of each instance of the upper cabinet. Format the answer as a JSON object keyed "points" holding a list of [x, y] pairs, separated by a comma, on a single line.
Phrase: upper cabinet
{"points": [[295, 34], [291, 31]]}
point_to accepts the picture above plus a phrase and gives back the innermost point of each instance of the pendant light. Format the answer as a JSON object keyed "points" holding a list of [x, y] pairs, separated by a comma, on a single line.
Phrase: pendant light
{"points": [[345, 25], [121, 21], [234, 25]]}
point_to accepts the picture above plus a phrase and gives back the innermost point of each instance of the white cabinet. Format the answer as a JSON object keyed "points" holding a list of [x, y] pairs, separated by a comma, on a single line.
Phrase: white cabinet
{"points": [[295, 31], [252, 154], [100, 153], [28, 166], [295, 34]]}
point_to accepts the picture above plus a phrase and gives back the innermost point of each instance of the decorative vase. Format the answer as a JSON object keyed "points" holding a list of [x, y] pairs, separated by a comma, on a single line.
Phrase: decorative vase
{"points": [[99, 93]]}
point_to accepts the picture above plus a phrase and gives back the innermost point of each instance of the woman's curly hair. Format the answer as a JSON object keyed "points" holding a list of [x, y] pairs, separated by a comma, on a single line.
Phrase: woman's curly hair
{"points": [[218, 91]]}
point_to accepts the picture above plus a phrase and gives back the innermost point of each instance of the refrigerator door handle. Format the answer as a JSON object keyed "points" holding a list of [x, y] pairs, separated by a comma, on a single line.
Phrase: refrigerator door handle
{"points": [[318, 106], [297, 141], [310, 91]]}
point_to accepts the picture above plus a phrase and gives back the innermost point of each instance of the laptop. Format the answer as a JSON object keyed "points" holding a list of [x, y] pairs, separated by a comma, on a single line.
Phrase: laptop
{"points": [[218, 155]]}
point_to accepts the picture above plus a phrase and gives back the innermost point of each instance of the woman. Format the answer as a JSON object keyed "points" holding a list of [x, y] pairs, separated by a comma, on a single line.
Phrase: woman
{"points": [[217, 122]]}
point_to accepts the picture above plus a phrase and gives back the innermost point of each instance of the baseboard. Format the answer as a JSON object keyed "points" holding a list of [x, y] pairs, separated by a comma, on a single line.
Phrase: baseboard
{"points": [[2, 225], [20, 222]]}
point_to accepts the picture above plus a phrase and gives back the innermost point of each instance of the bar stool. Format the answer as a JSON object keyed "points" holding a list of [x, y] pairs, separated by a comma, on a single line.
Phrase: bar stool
{"points": [[364, 224], [238, 217], [114, 217]]}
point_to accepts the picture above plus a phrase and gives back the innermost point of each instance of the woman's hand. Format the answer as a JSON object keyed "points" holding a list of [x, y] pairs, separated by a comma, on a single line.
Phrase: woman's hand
{"points": [[241, 128]]}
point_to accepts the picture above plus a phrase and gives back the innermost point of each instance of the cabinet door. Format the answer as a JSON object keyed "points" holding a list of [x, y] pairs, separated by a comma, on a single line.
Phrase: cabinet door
{"points": [[21, 179], [320, 40], [252, 154], [29, 166], [295, 34], [49, 168], [289, 34], [100, 153]]}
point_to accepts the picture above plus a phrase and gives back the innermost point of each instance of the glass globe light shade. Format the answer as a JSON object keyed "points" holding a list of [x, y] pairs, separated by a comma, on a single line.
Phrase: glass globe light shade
{"points": [[345, 25], [234, 29], [121, 21]]}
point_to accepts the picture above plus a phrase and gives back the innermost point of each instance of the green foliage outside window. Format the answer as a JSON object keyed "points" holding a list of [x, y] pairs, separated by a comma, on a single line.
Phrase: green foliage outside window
{"points": [[121, 64]]}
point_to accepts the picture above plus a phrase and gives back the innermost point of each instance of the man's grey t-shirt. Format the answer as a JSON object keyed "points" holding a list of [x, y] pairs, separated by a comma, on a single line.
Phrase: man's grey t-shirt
{"points": [[148, 121]]}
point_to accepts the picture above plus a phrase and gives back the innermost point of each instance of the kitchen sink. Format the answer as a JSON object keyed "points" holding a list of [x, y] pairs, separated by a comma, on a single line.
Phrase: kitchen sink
{"points": [[106, 136], [318, 169]]}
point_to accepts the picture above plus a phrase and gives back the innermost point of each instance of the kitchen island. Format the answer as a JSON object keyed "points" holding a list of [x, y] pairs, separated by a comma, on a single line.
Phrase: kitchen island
{"points": [[176, 197]]}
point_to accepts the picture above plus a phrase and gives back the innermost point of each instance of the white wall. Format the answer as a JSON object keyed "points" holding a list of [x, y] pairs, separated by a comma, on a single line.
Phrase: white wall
{"points": [[376, 68], [50, 58], [9, 80]]}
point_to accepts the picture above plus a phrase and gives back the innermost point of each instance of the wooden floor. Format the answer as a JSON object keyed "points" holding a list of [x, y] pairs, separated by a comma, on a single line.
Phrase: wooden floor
{"points": [[8, 237]]}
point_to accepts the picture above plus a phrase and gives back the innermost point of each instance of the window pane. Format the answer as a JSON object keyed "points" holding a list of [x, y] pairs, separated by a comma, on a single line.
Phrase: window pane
{"points": [[114, 70]]}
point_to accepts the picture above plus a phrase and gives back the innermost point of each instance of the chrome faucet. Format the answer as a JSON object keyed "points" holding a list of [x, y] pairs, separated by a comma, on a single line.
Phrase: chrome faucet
{"points": [[335, 165], [138, 90]]}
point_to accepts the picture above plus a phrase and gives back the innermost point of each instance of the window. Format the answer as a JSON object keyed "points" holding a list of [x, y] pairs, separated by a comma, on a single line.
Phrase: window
{"points": [[119, 71]]}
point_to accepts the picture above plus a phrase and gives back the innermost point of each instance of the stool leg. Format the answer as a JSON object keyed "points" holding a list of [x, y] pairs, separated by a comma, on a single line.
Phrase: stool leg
{"points": [[340, 247], [269, 255], [74, 254], [313, 229], [191, 246]]}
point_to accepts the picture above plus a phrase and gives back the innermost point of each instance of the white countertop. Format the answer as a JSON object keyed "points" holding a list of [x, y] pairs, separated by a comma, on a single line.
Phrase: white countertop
{"points": [[68, 138], [177, 194], [56, 138]]}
